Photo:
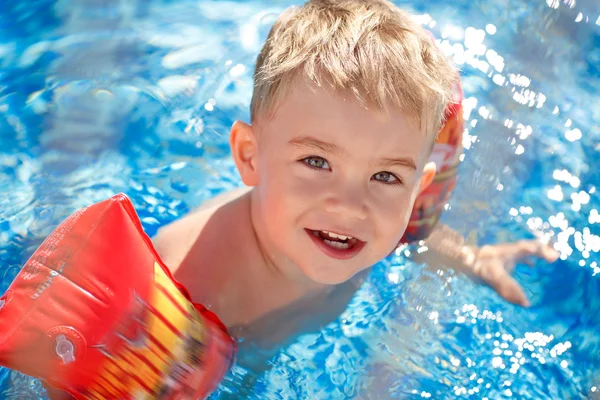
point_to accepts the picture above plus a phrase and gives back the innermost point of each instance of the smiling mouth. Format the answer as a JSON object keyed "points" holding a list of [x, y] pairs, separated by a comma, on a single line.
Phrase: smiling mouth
{"points": [[336, 241], [336, 245]]}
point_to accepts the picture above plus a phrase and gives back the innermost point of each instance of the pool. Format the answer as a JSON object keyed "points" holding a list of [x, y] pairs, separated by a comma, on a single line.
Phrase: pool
{"points": [[138, 96]]}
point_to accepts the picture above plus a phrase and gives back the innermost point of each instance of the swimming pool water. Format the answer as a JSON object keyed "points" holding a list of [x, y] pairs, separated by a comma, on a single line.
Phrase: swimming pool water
{"points": [[137, 96]]}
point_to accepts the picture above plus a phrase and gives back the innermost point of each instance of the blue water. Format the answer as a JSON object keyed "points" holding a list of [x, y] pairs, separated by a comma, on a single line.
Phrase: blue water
{"points": [[137, 97]]}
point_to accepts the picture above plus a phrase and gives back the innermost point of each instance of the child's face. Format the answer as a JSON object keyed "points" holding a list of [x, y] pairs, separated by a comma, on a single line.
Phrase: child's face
{"points": [[323, 164]]}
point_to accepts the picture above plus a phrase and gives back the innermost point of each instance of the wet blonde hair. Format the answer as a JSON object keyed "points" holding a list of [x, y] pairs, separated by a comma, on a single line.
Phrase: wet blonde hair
{"points": [[368, 47]]}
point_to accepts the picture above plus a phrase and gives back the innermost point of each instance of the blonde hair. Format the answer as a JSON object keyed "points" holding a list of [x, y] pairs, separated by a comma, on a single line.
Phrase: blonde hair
{"points": [[369, 47]]}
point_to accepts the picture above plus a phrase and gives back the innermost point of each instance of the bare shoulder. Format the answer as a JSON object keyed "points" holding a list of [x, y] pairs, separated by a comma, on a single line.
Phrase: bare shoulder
{"points": [[174, 241], [222, 199]]}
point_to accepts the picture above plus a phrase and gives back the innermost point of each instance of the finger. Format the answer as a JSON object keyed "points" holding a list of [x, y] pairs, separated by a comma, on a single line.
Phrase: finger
{"points": [[549, 253], [528, 248], [506, 286]]}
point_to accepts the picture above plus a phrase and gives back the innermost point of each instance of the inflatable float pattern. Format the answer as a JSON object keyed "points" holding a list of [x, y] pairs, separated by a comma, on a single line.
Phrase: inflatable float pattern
{"points": [[446, 153], [95, 313]]}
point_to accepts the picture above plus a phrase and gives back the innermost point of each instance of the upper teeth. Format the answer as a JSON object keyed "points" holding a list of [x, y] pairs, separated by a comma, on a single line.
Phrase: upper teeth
{"points": [[335, 235]]}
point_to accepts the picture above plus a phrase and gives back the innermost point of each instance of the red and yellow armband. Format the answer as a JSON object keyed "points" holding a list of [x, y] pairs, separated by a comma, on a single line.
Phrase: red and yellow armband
{"points": [[446, 152], [95, 313]]}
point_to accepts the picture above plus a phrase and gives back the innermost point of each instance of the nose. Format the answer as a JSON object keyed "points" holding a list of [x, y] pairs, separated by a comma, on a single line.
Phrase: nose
{"points": [[347, 200]]}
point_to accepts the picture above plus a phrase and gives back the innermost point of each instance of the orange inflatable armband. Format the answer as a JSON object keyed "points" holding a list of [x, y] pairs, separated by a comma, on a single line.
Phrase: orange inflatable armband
{"points": [[95, 313], [446, 152]]}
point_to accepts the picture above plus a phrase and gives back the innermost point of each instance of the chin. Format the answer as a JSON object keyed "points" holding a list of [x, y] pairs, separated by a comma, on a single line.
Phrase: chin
{"points": [[327, 276]]}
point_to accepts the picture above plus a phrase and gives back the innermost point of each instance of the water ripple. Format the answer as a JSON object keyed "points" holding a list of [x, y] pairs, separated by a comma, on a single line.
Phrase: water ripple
{"points": [[136, 96]]}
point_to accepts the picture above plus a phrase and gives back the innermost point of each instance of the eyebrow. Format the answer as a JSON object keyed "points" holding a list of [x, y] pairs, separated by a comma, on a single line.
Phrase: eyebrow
{"points": [[314, 143], [403, 162]]}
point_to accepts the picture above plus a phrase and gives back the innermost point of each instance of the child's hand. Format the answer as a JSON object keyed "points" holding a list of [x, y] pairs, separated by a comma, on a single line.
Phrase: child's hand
{"points": [[494, 264], [491, 263]]}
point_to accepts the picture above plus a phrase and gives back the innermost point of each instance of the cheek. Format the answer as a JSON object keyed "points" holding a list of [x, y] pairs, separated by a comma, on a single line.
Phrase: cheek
{"points": [[392, 214], [287, 181], [283, 199]]}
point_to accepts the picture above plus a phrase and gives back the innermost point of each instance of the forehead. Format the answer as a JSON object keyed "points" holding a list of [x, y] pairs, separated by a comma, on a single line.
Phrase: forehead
{"points": [[339, 117], [302, 99]]}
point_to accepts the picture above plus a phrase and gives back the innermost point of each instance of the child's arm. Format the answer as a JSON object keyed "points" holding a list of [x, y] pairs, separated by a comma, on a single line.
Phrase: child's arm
{"points": [[55, 394], [491, 263]]}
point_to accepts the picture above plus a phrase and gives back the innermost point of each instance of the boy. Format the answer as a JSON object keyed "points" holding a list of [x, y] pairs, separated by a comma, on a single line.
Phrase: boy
{"points": [[348, 99]]}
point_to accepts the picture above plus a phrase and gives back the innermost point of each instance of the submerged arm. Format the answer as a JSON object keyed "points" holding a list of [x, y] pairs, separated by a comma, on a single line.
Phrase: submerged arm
{"points": [[491, 263]]}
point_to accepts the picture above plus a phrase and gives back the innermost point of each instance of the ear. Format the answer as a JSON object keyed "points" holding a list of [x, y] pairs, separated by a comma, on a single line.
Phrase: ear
{"points": [[244, 151], [427, 176]]}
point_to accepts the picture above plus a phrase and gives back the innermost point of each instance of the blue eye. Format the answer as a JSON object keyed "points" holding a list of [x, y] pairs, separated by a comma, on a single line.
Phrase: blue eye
{"points": [[316, 162], [387, 178]]}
